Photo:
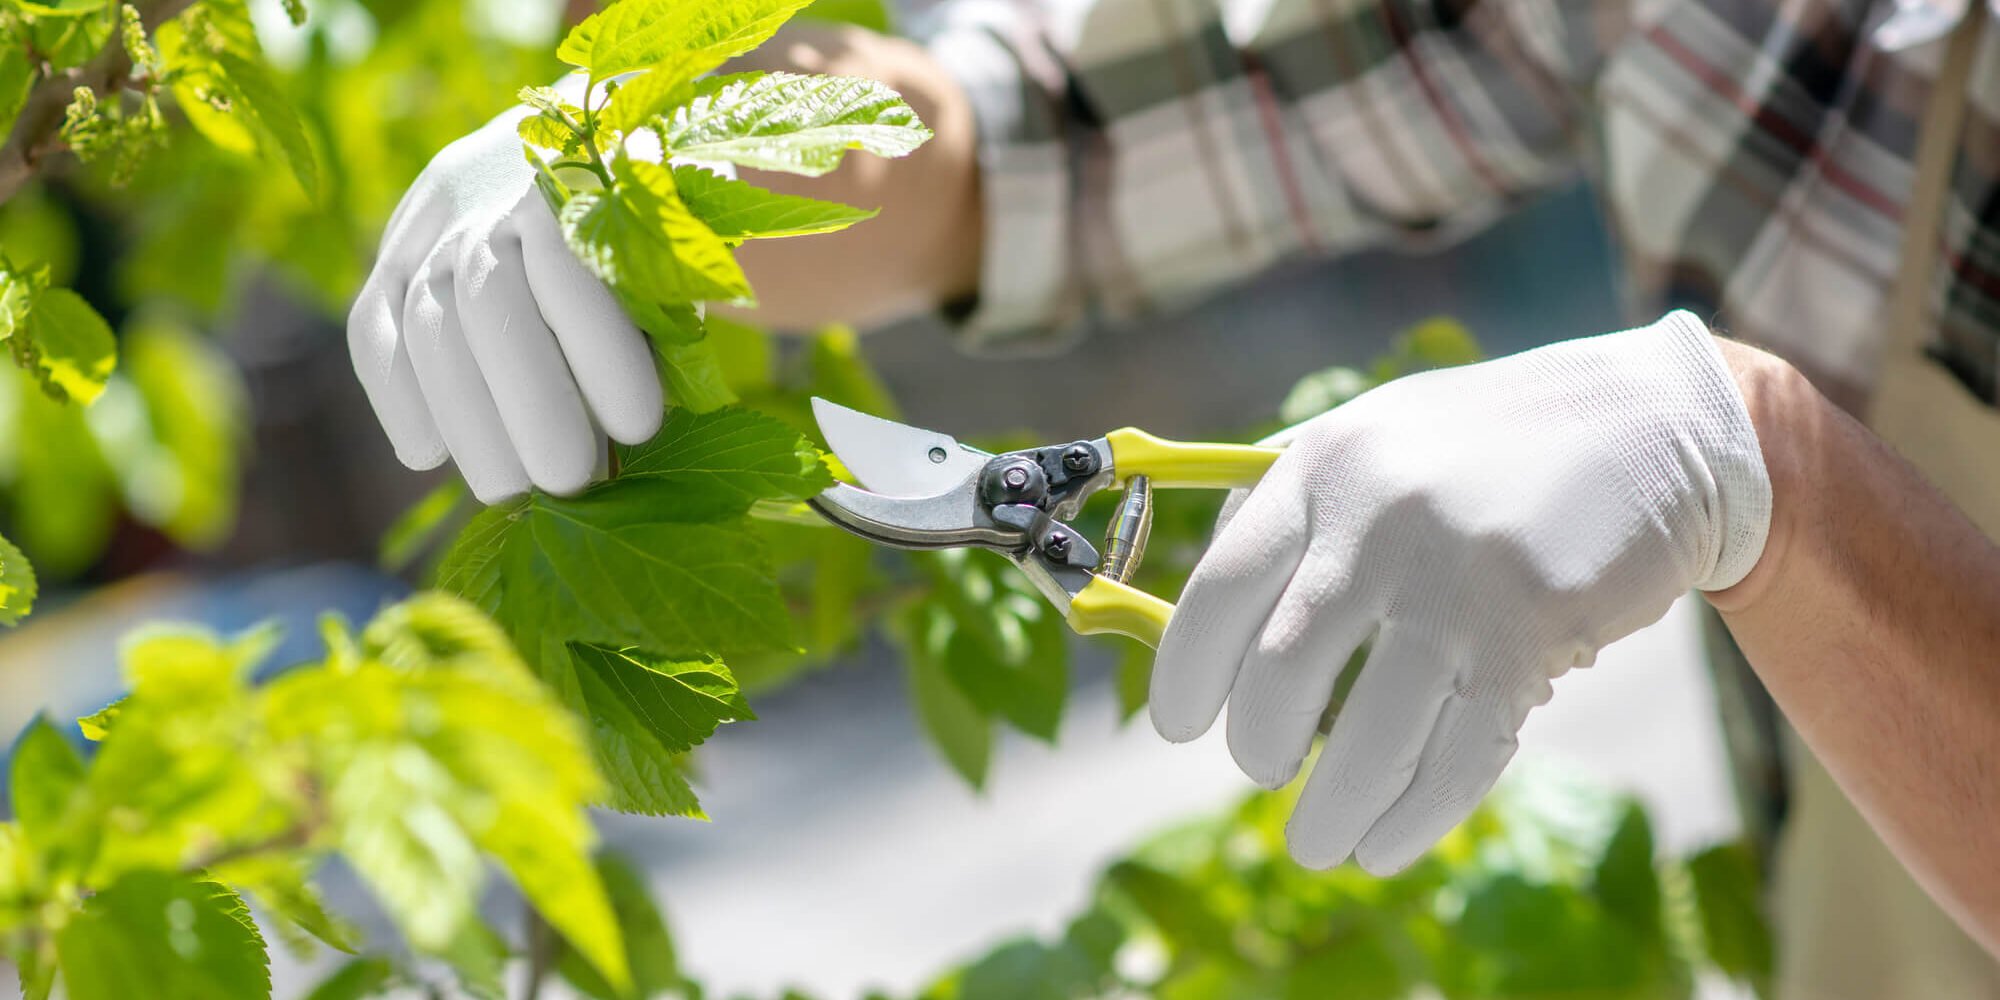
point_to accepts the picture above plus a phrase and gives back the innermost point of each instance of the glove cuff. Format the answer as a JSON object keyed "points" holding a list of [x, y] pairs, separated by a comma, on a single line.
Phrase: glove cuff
{"points": [[1669, 408], [1740, 487]]}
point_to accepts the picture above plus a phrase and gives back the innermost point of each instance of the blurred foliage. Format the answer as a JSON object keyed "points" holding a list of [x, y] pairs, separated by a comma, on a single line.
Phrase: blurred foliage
{"points": [[241, 146], [419, 752], [1550, 889], [1554, 887]]}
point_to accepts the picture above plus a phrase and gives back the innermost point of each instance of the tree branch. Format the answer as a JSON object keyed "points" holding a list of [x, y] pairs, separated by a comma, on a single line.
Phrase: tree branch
{"points": [[35, 135]]}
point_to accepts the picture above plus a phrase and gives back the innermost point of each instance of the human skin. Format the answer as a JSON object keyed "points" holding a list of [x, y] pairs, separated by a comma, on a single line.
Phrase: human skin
{"points": [[1874, 619], [1873, 615]]}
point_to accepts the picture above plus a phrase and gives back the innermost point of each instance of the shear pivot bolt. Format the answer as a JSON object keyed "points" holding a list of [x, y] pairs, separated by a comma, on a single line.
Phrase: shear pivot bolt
{"points": [[1079, 459], [1057, 544]]}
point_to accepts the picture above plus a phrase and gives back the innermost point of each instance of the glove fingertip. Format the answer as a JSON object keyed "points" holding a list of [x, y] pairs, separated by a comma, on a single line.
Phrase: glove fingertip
{"points": [[1311, 849]]}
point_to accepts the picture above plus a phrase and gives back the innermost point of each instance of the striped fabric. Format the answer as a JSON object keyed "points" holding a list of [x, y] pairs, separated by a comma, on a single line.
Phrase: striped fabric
{"points": [[1753, 155]]}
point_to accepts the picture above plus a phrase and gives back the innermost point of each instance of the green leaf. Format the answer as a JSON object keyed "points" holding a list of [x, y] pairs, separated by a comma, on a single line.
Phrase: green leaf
{"points": [[649, 948], [282, 884], [74, 346], [1625, 881], [681, 704], [1439, 342], [694, 376], [97, 725], [997, 639], [642, 98], [17, 76], [178, 463], [357, 980], [470, 568], [875, 15], [1734, 932], [478, 957], [17, 584], [644, 775], [1524, 938], [1322, 391], [226, 93], [640, 239], [636, 34], [796, 124], [956, 726], [436, 745], [729, 458], [418, 527], [604, 567], [260, 101], [45, 775], [182, 774], [739, 211], [548, 133], [165, 937]]}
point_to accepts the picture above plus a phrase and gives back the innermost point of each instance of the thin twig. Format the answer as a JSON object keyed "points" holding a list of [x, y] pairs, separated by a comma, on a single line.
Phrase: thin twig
{"points": [[36, 133], [541, 950]]}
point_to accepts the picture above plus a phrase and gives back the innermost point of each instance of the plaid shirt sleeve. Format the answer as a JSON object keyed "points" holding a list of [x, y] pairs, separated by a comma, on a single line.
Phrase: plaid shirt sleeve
{"points": [[1138, 154]]}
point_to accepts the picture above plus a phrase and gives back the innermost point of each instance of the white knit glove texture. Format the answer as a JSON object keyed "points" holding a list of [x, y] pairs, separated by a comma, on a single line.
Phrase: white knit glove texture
{"points": [[480, 337], [1490, 527]]}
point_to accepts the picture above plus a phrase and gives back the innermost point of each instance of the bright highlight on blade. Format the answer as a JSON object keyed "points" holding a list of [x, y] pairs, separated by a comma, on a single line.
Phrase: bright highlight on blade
{"points": [[895, 459]]}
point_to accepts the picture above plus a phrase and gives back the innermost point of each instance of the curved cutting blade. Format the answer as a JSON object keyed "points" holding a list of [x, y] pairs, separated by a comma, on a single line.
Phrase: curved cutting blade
{"points": [[894, 459]]}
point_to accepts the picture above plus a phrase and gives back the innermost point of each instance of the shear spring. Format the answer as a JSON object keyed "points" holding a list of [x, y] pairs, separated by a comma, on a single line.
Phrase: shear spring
{"points": [[1125, 540]]}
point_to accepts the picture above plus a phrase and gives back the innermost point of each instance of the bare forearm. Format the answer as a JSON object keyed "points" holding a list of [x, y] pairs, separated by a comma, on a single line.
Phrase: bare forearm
{"points": [[1874, 620], [923, 249]]}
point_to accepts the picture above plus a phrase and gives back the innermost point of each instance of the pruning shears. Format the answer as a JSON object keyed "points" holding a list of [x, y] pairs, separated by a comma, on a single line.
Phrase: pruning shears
{"points": [[923, 490]]}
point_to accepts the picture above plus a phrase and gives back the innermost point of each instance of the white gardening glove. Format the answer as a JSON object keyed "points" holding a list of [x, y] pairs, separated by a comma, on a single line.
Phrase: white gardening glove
{"points": [[1491, 527], [480, 336]]}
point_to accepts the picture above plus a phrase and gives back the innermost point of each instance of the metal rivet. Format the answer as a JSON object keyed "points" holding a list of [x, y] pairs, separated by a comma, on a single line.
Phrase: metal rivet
{"points": [[1015, 478], [938, 456]]}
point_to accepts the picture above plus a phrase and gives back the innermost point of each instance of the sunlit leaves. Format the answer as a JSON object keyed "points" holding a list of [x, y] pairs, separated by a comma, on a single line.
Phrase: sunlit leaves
{"points": [[636, 34], [228, 95], [17, 584], [438, 747], [739, 211], [641, 239], [153, 934], [419, 752], [54, 334], [792, 123]]}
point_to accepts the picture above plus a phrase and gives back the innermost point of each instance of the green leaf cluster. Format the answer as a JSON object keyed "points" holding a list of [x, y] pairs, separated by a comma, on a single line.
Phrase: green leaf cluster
{"points": [[1550, 889], [54, 334], [627, 598], [419, 752], [662, 237]]}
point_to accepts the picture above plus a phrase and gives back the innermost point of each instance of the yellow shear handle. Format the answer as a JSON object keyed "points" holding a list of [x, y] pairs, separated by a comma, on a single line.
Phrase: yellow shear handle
{"points": [[1178, 463], [1105, 605]]}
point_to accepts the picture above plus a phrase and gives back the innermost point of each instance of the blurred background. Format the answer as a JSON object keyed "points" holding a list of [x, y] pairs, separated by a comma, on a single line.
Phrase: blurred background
{"points": [[842, 853]]}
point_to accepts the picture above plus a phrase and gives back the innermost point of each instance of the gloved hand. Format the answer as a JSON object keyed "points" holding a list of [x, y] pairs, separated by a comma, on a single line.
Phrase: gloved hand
{"points": [[1491, 527], [480, 336]]}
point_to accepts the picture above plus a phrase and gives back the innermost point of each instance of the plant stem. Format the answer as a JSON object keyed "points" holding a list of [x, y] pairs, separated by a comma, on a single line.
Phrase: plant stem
{"points": [[36, 129], [541, 950]]}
